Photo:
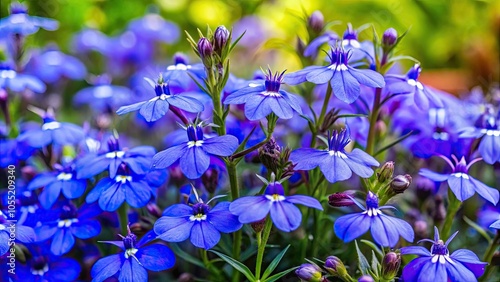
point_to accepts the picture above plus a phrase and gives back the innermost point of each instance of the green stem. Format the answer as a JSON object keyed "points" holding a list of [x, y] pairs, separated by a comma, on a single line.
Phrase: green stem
{"points": [[489, 255], [262, 246], [208, 263], [321, 117], [453, 206], [370, 145], [235, 193], [123, 218], [317, 216]]}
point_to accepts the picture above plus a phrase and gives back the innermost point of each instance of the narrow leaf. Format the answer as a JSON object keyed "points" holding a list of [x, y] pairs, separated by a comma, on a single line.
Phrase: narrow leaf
{"points": [[277, 276], [272, 266], [373, 247], [237, 265], [392, 144], [364, 266], [375, 265], [478, 228], [185, 256]]}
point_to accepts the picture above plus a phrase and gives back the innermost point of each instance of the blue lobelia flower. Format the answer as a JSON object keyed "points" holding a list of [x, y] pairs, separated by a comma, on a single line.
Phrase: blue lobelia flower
{"points": [[153, 27], [42, 267], [184, 73], [384, 229], [438, 265], [135, 260], [103, 95], [19, 22], [194, 155], [70, 224], [157, 107], [262, 97], [328, 37], [487, 128], [52, 132], [423, 96], [137, 159], [10, 79], [344, 79], [62, 180], [126, 186], [284, 214], [199, 222], [24, 234], [489, 217], [51, 65], [335, 163], [461, 183]]}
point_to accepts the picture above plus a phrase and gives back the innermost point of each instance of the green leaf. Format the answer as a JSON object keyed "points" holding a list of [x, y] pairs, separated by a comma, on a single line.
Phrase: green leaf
{"points": [[478, 228], [236, 42], [185, 256], [373, 247], [398, 58], [392, 144], [272, 266], [375, 265], [199, 84], [364, 266], [277, 276], [351, 115], [237, 265]]}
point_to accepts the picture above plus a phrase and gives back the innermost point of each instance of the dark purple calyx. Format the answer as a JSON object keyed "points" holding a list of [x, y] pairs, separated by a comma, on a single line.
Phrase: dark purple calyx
{"points": [[487, 120], [195, 133], [161, 88], [39, 266], [129, 241], [414, 72], [338, 140], [461, 166], [68, 212], [350, 33], [371, 201], [439, 248], [275, 188], [200, 209], [273, 81], [113, 144], [339, 58], [180, 58], [18, 8]]}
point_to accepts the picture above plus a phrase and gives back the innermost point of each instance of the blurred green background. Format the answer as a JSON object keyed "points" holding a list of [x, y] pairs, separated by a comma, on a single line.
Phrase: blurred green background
{"points": [[456, 41]]}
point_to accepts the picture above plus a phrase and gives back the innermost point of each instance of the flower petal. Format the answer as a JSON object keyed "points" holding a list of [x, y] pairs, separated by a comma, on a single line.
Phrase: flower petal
{"points": [[137, 193], [368, 77], [470, 261], [257, 107], [305, 200], [62, 242], [86, 229], [345, 87], [112, 198], [335, 169], [156, 257], [250, 209], [461, 186], [132, 271], [488, 193], [415, 250], [433, 175], [154, 109], [204, 235], [222, 219], [194, 162], [351, 226], [105, 268], [413, 269], [173, 229], [221, 145], [186, 103], [307, 158], [320, 75], [490, 148], [286, 216], [169, 156], [130, 108]]}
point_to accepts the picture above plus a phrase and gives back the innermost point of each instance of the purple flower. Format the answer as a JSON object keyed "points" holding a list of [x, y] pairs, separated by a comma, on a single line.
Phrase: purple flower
{"points": [[70, 224], [183, 73], [137, 159], [344, 79], [489, 217], [335, 163], [126, 186], [42, 267], [24, 234], [423, 96], [438, 265], [19, 22], [52, 132], [103, 95], [158, 106], [199, 222], [10, 79], [328, 37], [488, 130], [62, 180], [384, 229], [135, 260], [264, 97], [461, 183], [52, 65], [194, 155], [284, 214], [154, 28]]}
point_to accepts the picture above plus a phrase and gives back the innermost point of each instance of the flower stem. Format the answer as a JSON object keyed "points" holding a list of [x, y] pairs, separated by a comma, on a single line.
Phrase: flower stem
{"points": [[453, 206], [235, 193], [123, 218], [370, 144], [489, 255], [321, 117], [262, 246]]}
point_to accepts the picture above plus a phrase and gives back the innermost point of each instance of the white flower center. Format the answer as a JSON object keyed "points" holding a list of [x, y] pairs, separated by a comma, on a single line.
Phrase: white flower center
{"points": [[130, 252], [254, 85], [7, 74], [338, 67], [442, 259], [178, 67], [18, 18], [272, 94], [103, 91], [51, 125], [491, 132], [198, 217], [195, 143], [413, 82], [123, 178], [351, 42], [2, 227], [337, 154], [275, 197], [40, 272], [64, 176], [460, 174], [66, 222], [115, 154], [372, 212]]}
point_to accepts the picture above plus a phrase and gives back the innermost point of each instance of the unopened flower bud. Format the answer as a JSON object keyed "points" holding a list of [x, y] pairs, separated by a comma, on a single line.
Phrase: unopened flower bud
{"points": [[269, 155], [390, 265], [205, 50], [28, 172], [210, 179], [154, 210], [300, 46], [389, 38], [316, 21], [439, 209], [365, 278], [400, 183], [385, 172], [424, 187], [309, 272], [420, 227], [186, 277], [341, 199], [221, 37], [335, 266], [258, 226]]}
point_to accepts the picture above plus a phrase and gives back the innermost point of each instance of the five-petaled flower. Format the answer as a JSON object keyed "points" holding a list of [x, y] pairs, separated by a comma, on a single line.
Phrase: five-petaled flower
{"points": [[262, 97], [335, 163], [438, 265], [343, 78], [461, 183], [194, 155], [284, 214], [384, 229]]}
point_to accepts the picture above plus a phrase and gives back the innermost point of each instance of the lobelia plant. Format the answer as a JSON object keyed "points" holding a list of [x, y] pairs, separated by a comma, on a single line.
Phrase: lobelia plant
{"points": [[71, 187]]}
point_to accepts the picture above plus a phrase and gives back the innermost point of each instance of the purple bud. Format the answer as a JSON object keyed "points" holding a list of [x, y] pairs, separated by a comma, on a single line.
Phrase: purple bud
{"points": [[309, 272], [335, 266], [210, 179], [390, 37], [390, 265], [341, 199], [221, 37], [424, 187], [205, 49], [258, 226], [365, 278], [269, 155], [385, 172], [316, 21], [400, 183], [154, 210]]}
